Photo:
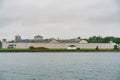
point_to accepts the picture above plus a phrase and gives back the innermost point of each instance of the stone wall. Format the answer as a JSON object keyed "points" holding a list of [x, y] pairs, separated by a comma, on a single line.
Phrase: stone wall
{"points": [[61, 45]]}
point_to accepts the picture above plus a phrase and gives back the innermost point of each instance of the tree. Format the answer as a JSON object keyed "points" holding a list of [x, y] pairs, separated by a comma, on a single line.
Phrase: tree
{"points": [[108, 39], [78, 48], [0, 44], [31, 47], [117, 40], [95, 39], [78, 37], [97, 48], [116, 47]]}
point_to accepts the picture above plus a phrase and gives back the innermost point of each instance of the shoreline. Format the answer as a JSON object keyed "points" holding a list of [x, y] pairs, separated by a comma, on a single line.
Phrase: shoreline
{"points": [[59, 51]]}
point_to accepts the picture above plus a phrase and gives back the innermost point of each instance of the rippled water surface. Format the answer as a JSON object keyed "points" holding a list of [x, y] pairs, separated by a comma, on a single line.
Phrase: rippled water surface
{"points": [[60, 66]]}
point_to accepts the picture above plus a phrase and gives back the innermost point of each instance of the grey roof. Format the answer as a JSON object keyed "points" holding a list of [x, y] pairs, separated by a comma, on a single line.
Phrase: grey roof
{"points": [[45, 41], [69, 41], [38, 36], [27, 41]]}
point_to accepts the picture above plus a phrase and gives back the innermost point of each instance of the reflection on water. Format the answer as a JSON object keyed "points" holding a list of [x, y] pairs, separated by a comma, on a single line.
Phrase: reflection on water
{"points": [[59, 66]]}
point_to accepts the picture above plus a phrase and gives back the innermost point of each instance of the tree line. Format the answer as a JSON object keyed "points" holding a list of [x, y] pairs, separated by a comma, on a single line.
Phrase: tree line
{"points": [[99, 39]]}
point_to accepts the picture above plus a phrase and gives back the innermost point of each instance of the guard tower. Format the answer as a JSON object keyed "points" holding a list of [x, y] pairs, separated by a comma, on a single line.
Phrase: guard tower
{"points": [[17, 38]]}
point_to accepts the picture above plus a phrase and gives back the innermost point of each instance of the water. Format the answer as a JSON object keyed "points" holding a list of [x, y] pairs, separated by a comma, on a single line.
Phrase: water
{"points": [[60, 66]]}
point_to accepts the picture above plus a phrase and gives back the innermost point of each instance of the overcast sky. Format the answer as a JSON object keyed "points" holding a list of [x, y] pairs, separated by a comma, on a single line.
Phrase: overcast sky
{"points": [[59, 18]]}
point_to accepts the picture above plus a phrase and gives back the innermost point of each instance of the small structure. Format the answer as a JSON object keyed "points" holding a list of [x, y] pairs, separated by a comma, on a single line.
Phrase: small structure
{"points": [[38, 38], [4, 40], [71, 47], [17, 38], [11, 46]]}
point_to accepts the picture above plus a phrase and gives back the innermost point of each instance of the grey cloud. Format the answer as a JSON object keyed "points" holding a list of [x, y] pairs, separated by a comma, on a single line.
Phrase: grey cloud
{"points": [[59, 12], [59, 16]]}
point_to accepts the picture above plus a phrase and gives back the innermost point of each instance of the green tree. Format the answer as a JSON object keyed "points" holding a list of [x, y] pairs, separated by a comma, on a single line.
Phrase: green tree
{"points": [[116, 47], [97, 48], [78, 37], [0, 44], [78, 48], [108, 39], [31, 47], [117, 40], [95, 39]]}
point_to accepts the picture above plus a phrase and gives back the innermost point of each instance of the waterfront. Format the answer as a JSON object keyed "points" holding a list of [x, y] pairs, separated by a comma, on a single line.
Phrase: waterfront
{"points": [[60, 66]]}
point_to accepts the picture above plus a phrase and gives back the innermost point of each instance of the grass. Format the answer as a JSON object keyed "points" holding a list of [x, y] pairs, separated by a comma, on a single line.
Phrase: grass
{"points": [[51, 49]]}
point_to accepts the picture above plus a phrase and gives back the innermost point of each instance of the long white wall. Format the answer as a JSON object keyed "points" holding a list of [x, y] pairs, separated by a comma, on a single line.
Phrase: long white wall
{"points": [[61, 45]]}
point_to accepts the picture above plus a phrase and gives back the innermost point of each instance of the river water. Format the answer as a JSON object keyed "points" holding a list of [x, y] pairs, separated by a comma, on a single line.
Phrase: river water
{"points": [[60, 66]]}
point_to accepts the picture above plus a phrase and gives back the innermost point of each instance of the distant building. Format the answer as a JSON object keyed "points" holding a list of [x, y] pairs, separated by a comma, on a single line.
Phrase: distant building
{"points": [[17, 38], [38, 38], [11, 46], [58, 44], [4, 40], [38, 41]]}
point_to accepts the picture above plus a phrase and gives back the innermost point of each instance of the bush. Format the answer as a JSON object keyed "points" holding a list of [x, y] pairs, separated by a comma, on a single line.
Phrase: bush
{"points": [[78, 48], [97, 48], [31, 47], [116, 47], [41, 48]]}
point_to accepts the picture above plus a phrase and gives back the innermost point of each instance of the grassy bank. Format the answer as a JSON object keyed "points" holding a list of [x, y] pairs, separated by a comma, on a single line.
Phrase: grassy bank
{"points": [[57, 50]]}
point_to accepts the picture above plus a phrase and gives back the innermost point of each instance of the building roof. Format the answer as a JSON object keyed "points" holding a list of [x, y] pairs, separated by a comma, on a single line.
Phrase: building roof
{"points": [[68, 41], [45, 41], [37, 36]]}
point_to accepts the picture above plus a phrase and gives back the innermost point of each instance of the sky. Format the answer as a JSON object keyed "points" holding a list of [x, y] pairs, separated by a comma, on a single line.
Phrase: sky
{"points": [[59, 18]]}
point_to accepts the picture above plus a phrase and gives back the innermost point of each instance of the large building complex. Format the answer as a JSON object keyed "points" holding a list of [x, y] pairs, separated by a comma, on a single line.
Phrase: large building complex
{"points": [[39, 41]]}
